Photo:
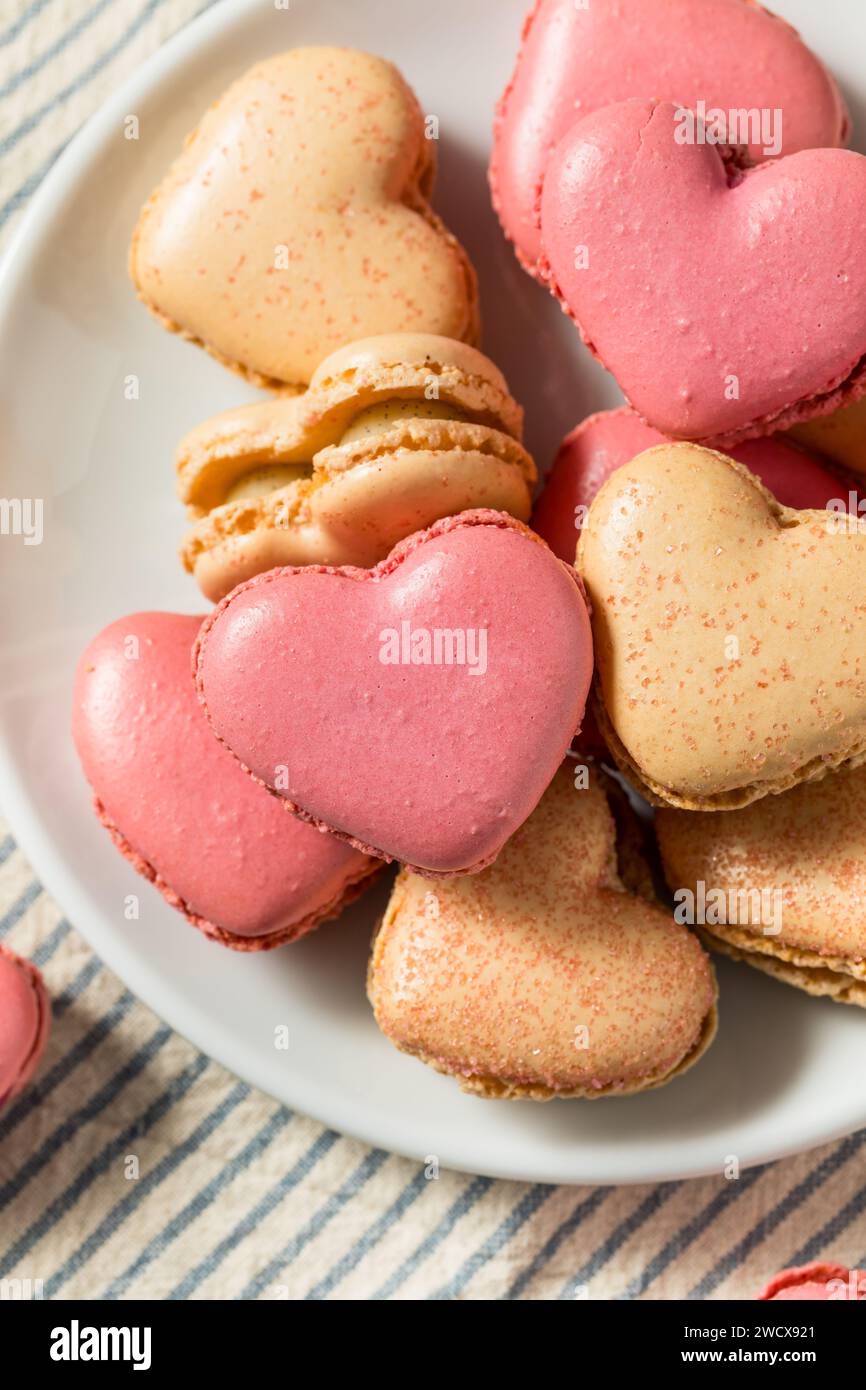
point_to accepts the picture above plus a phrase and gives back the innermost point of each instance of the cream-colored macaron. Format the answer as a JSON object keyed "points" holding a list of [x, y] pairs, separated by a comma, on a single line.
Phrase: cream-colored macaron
{"points": [[393, 433], [729, 631], [544, 976], [781, 884], [297, 218]]}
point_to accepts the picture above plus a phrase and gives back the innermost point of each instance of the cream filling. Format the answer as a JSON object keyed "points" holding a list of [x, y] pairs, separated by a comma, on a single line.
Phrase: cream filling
{"points": [[267, 478], [259, 482], [377, 417]]}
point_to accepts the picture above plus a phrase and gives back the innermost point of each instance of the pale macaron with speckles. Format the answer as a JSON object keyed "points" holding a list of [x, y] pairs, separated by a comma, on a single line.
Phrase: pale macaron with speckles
{"points": [[25, 1022], [179, 808], [784, 882], [729, 631], [392, 433], [297, 218], [544, 976]]}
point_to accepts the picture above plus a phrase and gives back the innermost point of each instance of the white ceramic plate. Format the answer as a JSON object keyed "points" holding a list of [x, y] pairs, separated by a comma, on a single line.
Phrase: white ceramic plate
{"points": [[786, 1071]]}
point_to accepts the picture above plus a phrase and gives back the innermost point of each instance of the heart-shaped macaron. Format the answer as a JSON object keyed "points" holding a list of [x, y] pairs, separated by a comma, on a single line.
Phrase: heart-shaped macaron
{"points": [[418, 709], [602, 443], [727, 303], [545, 975], [179, 807], [780, 884], [730, 632], [392, 433], [25, 1022], [731, 55], [297, 218]]}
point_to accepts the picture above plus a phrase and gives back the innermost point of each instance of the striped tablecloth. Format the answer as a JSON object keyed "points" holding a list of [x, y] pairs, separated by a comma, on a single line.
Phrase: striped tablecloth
{"points": [[231, 1194]]}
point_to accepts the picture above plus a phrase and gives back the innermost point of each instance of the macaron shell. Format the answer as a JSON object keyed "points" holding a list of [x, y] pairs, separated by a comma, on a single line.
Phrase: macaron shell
{"points": [[238, 540], [373, 493], [603, 442], [25, 1022], [402, 364], [575, 59], [323, 151], [704, 258], [493, 978], [809, 847], [180, 808], [821, 976], [423, 762], [683, 551], [815, 1282]]}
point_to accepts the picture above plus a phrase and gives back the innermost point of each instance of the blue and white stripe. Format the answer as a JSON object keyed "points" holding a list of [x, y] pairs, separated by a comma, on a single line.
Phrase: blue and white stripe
{"points": [[235, 1196]]}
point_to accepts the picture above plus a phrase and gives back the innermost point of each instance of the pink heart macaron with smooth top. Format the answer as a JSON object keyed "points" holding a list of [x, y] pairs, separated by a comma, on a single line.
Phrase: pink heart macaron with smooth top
{"points": [[744, 64], [603, 442], [179, 807], [418, 709], [25, 1022], [728, 303]]}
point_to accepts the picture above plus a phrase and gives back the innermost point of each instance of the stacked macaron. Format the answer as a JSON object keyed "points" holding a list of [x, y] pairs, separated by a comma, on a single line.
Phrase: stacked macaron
{"points": [[392, 433], [398, 666]]}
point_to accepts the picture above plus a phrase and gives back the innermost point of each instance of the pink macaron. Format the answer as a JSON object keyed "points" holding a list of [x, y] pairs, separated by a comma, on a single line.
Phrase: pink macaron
{"points": [[605, 441], [732, 55], [420, 708], [728, 303], [817, 1282], [25, 1022], [180, 808]]}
